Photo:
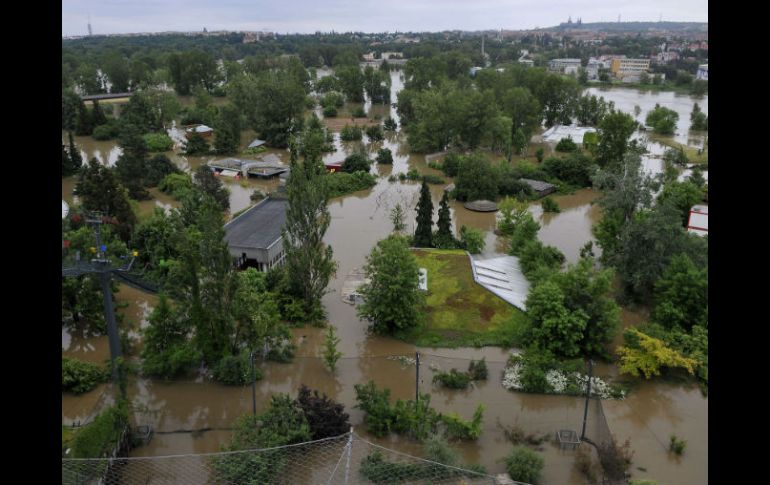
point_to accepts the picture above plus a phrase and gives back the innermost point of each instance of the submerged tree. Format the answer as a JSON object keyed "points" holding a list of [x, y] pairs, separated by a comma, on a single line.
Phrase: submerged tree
{"points": [[423, 233], [309, 260], [211, 185]]}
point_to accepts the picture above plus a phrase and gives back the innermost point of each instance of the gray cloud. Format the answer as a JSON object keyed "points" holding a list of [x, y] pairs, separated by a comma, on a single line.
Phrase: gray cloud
{"points": [[307, 16]]}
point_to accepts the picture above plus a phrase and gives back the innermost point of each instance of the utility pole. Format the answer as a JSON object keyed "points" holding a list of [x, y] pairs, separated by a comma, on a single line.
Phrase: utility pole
{"points": [[417, 378], [253, 385], [588, 397]]}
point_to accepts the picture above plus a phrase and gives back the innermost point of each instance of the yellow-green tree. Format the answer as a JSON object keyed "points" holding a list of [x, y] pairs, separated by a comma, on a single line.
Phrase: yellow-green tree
{"points": [[651, 355]]}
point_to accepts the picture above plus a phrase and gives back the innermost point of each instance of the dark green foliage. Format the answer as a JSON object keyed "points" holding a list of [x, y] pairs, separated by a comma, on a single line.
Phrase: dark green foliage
{"points": [[212, 186], [566, 145], [477, 369], [444, 223], [357, 162], [227, 130], [130, 167], [390, 124], [384, 156], [456, 427], [663, 120], [192, 68], [107, 131], [451, 164], [158, 142], [70, 102], [475, 179], [698, 119], [550, 205], [392, 299], [376, 406], [699, 87], [374, 133], [78, 377], [590, 110], [351, 133], [84, 125], [539, 155], [167, 352], [682, 196], [325, 417], [677, 445], [452, 379], [572, 313], [358, 112], [273, 104], [681, 295], [615, 130], [99, 190], [351, 82], [575, 169], [329, 111], [342, 183], [423, 234], [524, 465], [235, 370], [377, 85], [158, 168], [196, 145], [282, 424], [472, 239], [100, 437], [676, 157], [73, 160], [432, 179], [332, 99]]}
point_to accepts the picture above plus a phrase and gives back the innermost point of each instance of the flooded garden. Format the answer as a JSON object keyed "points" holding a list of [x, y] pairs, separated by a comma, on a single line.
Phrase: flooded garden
{"points": [[197, 416]]}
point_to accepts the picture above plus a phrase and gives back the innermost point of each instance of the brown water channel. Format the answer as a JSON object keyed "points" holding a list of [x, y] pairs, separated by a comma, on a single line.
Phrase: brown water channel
{"points": [[179, 410]]}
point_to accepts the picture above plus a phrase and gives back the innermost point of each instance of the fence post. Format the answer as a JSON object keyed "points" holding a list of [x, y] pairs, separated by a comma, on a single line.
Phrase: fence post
{"points": [[417, 379], [253, 386], [349, 451], [588, 397]]}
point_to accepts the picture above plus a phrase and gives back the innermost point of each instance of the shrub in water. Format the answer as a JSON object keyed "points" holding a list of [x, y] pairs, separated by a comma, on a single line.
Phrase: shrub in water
{"points": [[524, 465], [550, 205], [677, 445], [478, 369], [384, 155]]}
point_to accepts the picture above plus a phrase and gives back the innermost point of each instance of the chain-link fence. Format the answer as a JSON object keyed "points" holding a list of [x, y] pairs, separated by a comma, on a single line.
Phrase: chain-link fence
{"points": [[613, 456], [345, 459]]}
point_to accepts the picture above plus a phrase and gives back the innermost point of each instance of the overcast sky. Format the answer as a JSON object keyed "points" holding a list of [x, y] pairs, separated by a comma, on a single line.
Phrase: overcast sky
{"points": [[307, 16]]}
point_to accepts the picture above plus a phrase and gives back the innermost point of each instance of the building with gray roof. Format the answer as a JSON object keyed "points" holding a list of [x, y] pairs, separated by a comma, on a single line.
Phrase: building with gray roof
{"points": [[254, 237]]}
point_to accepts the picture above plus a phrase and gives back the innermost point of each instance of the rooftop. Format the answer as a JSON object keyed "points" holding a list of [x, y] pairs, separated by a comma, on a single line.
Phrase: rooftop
{"points": [[259, 227], [538, 185], [557, 132]]}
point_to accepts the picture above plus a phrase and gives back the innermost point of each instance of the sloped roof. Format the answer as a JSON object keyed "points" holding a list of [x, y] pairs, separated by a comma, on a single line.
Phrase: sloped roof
{"points": [[258, 227], [481, 206], [538, 185]]}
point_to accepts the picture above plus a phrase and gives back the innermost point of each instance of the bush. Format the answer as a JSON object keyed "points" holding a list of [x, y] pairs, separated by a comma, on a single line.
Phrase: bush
{"points": [[433, 179], [539, 155], [662, 120], [586, 465], [375, 133], [550, 205], [357, 162], [453, 379], [385, 156], [342, 183], [451, 164], [107, 131], [457, 428], [376, 407], [351, 133], [412, 174], [566, 145], [325, 416], [157, 168], [390, 124], [196, 145], [101, 436], [235, 370], [78, 377], [472, 239], [524, 465], [574, 169], [677, 445], [359, 112], [478, 369], [176, 184], [330, 111], [158, 142]]}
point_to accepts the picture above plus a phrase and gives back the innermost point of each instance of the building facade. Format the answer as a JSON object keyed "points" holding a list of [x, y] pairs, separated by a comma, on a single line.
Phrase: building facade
{"points": [[703, 72], [629, 67], [562, 65]]}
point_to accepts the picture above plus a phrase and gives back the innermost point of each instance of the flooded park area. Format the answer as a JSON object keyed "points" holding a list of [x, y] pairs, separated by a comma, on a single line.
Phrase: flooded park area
{"points": [[197, 415]]}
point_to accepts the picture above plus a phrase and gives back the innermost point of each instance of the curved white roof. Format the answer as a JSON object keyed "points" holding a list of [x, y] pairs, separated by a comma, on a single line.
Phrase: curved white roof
{"points": [[65, 209]]}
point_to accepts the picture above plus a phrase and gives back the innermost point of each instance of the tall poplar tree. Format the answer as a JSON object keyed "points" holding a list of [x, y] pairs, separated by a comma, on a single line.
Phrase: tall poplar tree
{"points": [[423, 233]]}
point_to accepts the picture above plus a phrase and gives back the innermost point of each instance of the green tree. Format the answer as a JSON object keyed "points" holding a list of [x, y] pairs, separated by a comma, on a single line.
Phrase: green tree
{"points": [[681, 295], [130, 167], [97, 115], [397, 217], [385, 156], [615, 129], [647, 355], [357, 162], [196, 145], [309, 260], [84, 125], [392, 299], [351, 81], [330, 353], [682, 195], [70, 103], [698, 119], [99, 190], [519, 141], [424, 233], [212, 186], [476, 179], [444, 223], [662, 120], [227, 130], [75, 160], [472, 239], [167, 351], [524, 465], [116, 68]]}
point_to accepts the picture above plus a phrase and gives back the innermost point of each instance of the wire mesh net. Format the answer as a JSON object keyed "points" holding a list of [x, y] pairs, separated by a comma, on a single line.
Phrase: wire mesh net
{"points": [[346, 459], [612, 456]]}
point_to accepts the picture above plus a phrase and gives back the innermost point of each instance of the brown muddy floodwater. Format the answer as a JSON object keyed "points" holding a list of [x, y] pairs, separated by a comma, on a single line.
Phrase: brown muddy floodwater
{"points": [[196, 415]]}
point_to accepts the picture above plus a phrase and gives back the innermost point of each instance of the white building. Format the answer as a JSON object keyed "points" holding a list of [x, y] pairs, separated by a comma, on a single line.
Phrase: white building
{"points": [[703, 72], [562, 65], [699, 220], [622, 68]]}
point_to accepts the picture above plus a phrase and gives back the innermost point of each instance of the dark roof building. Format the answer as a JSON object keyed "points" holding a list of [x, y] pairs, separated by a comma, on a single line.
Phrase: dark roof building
{"points": [[254, 237], [541, 188]]}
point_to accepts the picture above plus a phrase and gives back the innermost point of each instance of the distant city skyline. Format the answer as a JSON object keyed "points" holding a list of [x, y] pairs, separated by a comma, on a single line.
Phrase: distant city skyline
{"points": [[308, 16]]}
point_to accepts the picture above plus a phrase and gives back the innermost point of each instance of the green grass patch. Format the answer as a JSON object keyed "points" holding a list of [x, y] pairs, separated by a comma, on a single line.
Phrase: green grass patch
{"points": [[460, 312], [691, 152]]}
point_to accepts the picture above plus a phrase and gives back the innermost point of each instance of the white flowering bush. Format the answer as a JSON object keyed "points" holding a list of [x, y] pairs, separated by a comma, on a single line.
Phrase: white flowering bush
{"points": [[558, 382]]}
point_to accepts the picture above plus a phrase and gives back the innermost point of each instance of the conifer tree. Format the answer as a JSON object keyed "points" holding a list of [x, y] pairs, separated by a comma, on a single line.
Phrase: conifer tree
{"points": [[97, 115], [75, 160], [84, 125], [423, 233], [444, 218]]}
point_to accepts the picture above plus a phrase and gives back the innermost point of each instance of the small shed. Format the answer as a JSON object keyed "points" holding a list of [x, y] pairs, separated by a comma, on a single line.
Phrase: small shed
{"points": [[699, 220], [202, 130], [539, 187], [257, 143], [481, 206]]}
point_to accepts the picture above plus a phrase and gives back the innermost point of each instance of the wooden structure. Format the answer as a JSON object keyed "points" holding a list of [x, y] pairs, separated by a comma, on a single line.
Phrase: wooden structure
{"points": [[202, 130]]}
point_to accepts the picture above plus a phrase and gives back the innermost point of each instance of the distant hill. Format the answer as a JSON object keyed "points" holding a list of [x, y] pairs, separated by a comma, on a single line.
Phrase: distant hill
{"points": [[636, 26]]}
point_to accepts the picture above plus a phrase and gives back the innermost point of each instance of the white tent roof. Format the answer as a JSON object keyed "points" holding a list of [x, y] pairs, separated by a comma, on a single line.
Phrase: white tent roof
{"points": [[200, 129], [557, 132], [503, 277], [65, 209]]}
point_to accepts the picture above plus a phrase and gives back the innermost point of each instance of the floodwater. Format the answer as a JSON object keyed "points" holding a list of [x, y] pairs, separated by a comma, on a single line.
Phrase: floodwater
{"points": [[195, 415]]}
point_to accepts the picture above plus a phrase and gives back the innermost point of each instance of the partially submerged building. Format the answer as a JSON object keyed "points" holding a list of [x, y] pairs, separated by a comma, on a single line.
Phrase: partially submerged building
{"points": [[699, 220], [539, 187], [556, 133], [254, 237], [202, 130]]}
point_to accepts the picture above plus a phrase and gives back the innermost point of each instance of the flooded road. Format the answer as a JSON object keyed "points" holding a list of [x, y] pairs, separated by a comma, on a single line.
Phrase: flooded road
{"points": [[195, 416]]}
